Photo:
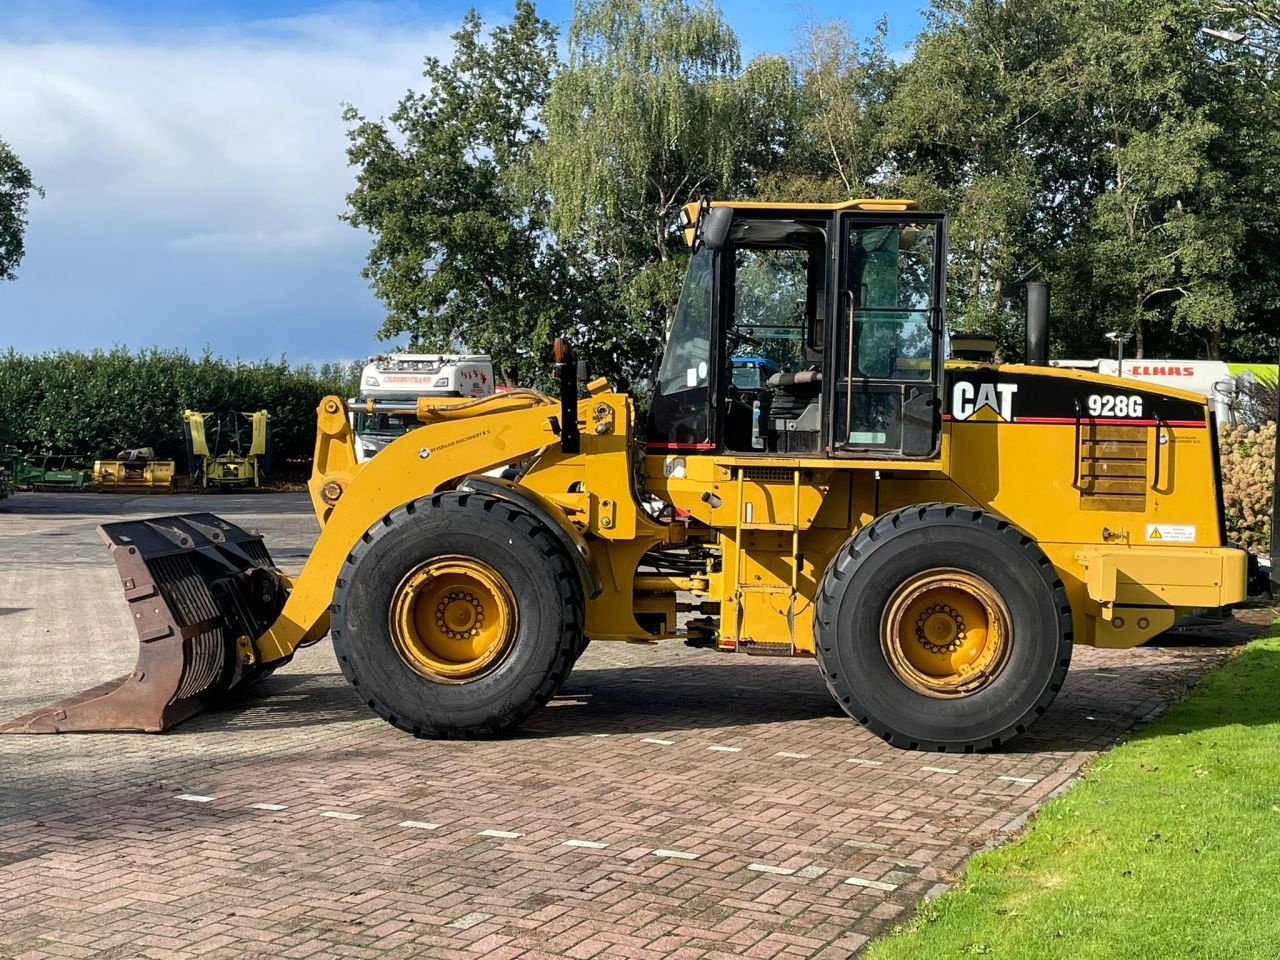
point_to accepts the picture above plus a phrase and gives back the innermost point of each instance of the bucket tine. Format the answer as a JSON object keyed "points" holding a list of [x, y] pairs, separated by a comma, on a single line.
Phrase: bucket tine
{"points": [[200, 590]]}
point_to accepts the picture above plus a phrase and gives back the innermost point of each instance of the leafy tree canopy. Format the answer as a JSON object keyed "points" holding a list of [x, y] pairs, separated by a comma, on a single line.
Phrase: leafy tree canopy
{"points": [[16, 188], [1111, 148]]}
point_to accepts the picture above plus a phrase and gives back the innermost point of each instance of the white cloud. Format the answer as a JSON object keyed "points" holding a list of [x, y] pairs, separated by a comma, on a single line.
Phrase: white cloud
{"points": [[254, 240], [154, 145]]}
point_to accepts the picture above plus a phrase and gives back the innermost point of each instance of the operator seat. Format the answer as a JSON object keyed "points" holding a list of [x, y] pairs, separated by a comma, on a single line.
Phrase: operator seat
{"points": [[793, 413]]}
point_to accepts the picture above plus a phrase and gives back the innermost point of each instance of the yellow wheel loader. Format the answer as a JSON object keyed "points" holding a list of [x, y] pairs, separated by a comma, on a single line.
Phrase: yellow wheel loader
{"points": [[937, 535]]}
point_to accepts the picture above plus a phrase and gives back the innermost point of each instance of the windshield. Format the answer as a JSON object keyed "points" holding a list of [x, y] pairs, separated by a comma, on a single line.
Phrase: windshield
{"points": [[385, 424], [686, 363]]}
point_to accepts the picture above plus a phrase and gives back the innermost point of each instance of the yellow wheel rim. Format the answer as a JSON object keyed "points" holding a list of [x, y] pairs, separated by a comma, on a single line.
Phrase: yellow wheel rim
{"points": [[946, 633], [453, 619]]}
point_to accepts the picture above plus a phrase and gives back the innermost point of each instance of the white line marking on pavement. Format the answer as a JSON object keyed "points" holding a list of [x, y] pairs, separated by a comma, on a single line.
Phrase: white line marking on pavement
{"points": [[663, 743], [585, 844], [792, 756], [341, 815], [873, 884], [768, 868], [938, 770], [676, 854], [1109, 676], [1019, 779], [866, 763], [469, 920], [194, 798], [726, 749], [267, 806], [599, 734], [419, 825], [501, 834]]}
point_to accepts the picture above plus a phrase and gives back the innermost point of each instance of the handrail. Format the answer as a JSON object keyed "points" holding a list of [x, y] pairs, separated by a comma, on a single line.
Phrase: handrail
{"points": [[1075, 452], [1155, 474]]}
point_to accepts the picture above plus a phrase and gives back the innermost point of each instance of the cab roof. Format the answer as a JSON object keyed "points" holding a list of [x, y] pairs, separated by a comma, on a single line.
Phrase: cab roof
{"points": [[866, 203]]}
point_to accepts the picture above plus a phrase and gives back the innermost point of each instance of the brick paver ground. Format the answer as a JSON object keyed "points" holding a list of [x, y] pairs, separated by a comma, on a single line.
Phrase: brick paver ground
{"points": [[671, 803]]}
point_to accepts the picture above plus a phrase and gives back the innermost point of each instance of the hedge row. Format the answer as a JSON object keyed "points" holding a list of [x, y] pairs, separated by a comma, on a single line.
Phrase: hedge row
{"points": [[95, 404]]}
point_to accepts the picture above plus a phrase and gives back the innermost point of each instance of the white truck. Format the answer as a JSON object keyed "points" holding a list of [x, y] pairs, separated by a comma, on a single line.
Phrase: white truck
{"points": [[390, 384], [1213, 379]]}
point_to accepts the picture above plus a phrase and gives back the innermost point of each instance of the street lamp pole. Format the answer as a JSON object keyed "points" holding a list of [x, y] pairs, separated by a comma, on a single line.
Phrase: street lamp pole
{"points": [[1239, 40], [1119, 339]]}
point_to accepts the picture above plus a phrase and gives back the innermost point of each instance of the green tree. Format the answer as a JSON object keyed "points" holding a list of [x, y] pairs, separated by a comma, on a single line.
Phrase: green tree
{"points": [[835, 149], [461, 255], [652, 110], [1100, 145], [971, 127], [16, 188]]}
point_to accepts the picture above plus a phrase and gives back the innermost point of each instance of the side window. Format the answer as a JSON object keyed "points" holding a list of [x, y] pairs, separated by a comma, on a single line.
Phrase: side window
{"points": [[771, 293], [891, 273], [774, 331], [887, 336]]}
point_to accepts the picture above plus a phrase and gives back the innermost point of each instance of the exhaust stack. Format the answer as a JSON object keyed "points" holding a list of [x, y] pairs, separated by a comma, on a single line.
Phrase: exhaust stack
{"points": [[1037, 352]]}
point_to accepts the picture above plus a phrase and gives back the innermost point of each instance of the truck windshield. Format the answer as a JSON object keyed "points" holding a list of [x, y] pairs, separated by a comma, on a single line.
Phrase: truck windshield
{"points": [[385, 424]]}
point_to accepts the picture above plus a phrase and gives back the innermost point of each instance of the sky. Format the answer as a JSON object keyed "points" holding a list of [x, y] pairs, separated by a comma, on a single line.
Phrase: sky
{"points": [[193, 160]]}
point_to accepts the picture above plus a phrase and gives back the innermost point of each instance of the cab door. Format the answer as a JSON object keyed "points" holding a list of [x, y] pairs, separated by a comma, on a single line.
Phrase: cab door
{"points": [[884, 351]]}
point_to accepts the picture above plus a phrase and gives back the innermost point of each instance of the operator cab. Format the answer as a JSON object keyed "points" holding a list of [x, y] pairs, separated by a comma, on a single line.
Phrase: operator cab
{"points": [[806, 331]]}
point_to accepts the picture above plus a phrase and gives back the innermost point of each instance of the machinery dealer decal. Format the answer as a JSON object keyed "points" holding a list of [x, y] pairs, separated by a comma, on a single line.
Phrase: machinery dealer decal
{"points": [[988, 395]]}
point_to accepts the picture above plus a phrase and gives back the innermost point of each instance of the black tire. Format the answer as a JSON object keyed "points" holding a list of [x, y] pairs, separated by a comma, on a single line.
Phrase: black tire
{"points": [[515, 545], [859, 584]]}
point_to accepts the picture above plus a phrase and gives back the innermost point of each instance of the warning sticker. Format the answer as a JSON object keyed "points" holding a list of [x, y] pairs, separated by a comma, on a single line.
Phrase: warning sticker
{"points": [[1171, 532]]}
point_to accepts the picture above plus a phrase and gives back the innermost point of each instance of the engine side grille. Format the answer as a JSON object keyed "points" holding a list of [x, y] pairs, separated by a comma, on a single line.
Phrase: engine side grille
{"points": [[769, 474], [1113, 468]]}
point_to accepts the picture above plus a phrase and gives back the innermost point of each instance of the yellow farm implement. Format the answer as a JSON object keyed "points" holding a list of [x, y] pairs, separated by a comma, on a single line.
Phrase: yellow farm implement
{"points": [[238, 464], [133, 471]]}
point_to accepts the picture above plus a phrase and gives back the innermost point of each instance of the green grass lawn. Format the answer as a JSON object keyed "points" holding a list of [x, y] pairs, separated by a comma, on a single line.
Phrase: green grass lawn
{"points": [[1169, 847]]}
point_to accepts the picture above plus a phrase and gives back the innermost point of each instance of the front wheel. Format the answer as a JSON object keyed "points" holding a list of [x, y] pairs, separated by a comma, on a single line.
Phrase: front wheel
{"points": [[457, 616], [942, 627]]}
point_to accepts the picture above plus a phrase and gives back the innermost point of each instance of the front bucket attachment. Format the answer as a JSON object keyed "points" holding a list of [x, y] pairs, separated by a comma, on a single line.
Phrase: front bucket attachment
{"points": [[200, 590]]}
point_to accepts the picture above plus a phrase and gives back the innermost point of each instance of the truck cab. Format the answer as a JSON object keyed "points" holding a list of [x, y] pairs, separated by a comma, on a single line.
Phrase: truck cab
{"points": [[390, 385]]}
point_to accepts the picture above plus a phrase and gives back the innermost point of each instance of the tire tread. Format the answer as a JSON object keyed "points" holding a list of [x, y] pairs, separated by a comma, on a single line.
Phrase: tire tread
{"points": [[856, 551], [567, 585]]}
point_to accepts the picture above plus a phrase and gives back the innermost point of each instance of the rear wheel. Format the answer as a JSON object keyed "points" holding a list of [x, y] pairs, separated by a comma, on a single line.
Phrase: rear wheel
{"points": [[942, 627], [457, 616]]}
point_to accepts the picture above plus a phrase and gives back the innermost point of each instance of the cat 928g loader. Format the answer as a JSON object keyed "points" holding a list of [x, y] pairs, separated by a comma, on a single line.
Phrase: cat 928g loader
{"points": [[936, 534]]}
